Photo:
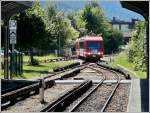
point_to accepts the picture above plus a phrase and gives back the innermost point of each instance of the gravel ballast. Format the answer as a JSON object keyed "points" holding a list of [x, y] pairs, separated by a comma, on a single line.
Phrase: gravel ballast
{"points": [[120, 99], [87, 74], [95, 102], [32, 104]]}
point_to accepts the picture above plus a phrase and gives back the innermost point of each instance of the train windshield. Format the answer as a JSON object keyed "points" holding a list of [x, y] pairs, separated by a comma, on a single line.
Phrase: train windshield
{"points": [[93, 45]]}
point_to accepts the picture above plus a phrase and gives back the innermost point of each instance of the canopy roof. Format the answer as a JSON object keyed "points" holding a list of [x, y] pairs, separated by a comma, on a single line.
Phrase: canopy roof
{"points": [[9, 8], [141, 7]]}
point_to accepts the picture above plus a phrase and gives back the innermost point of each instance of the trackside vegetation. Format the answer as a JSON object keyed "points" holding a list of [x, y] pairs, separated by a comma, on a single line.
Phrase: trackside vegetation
{"points": [[43, 69], [122, 59], [134, 58], [135, 51], [45, 28]]}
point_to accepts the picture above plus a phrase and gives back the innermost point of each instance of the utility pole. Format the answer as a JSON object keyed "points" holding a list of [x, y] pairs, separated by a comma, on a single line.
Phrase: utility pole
{"points": [[6, 47]]}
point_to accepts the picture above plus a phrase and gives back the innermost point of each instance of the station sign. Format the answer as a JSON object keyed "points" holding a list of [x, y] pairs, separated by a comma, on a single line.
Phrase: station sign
{"points": [[12, 31]]}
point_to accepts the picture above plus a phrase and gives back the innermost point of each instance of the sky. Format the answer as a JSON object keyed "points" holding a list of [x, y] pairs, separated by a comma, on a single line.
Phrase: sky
{"points": [[110, 8]]}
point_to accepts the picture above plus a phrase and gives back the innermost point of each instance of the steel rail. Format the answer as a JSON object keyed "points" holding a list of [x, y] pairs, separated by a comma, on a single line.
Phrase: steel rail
{"points": [[112, 93], [60, 72], [85, 97], [61, 102], [104, 68], [99, 84]]}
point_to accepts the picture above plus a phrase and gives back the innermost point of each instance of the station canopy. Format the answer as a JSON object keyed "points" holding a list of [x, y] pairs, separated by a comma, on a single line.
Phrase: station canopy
{"points": [[140, 7], [9, 8]]}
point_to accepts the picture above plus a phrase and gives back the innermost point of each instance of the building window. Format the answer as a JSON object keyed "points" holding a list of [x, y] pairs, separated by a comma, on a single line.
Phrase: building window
{"points": [[116, 26], [125, 28]]}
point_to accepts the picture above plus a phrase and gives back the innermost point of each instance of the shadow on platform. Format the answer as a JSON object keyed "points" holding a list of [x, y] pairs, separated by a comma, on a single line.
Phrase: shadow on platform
{"points": [[144, 85], [9, 85]]}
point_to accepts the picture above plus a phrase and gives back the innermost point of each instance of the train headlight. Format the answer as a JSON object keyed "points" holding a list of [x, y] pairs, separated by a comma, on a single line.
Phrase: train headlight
{"points": [[88, 53], [99, 53]]}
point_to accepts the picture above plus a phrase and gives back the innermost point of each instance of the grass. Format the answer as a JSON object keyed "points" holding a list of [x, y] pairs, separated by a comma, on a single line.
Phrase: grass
{"points": [[27, 58], [121, 59], [41, 70]]}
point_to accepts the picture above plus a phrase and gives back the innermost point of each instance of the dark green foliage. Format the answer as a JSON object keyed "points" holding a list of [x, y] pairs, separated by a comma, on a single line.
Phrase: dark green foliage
{"points": [[113, 42], [136, 48], [31, 31], [95, 22], [34, 62], [58, 27], [42, 28]]}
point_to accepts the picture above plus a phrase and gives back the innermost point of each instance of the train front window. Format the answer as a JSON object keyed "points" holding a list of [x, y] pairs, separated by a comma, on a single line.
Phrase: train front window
{"points": [[81, 44], [93, 45]]}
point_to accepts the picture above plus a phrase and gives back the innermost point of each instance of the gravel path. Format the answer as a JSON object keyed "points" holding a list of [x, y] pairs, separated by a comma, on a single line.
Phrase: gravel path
{"points": [[32, 103]]}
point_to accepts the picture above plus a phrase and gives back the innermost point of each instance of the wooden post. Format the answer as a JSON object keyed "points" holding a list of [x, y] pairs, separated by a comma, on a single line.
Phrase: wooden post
{"points": [[42, 86]]}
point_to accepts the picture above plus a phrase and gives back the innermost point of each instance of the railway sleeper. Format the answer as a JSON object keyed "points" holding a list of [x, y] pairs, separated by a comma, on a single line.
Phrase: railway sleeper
{"points": [[70, 74], [66, 67]]}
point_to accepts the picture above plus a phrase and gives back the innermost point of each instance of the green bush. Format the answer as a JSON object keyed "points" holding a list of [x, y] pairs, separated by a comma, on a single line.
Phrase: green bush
{"points": [[135, 51]]}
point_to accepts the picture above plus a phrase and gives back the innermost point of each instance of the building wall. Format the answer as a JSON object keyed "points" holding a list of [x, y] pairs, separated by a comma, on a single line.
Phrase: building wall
{"points": [[126, 27]]}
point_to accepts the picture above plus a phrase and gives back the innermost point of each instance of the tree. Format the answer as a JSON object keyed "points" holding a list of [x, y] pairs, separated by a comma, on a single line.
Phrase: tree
{"points": [[30, 29], [59, 27], [136, 47], [77, 22], [93, 20], [113, 42]]}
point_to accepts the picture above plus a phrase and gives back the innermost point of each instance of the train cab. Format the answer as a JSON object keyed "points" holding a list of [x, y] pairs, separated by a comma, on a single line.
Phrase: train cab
{"points": [[90, 47]]}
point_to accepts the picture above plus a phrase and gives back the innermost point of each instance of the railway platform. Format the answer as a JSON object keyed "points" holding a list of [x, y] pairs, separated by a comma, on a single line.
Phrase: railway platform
{"points": [[136, 101], [8, 85]]}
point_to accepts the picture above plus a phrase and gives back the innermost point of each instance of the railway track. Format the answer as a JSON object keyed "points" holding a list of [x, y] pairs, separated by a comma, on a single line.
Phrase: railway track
{"points": [[85, 97], [62, 70], [76, 107], [79, 98], [60, 104], [66, 99], [15, 94]]}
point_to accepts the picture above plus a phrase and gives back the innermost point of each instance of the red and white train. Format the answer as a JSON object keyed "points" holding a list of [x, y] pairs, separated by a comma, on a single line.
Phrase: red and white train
{"points": [[90, 47]]}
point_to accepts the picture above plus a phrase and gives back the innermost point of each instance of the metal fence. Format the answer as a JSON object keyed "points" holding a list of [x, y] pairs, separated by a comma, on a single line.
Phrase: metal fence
{"points": [[42, 52], [15, 63]]}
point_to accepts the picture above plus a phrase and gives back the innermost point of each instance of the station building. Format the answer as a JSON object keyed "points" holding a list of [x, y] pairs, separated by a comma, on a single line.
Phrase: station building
{"points": [[126, 27]]}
